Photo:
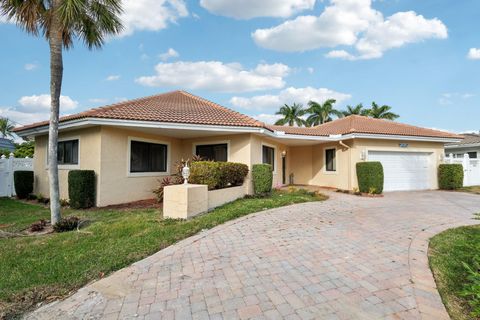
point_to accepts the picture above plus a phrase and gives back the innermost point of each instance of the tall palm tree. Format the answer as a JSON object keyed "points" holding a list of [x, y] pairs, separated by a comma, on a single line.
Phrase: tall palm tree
{"points": [[6, 128], [291, 115], [359, 109], [382, 112], [62, 21], [321, 112]]}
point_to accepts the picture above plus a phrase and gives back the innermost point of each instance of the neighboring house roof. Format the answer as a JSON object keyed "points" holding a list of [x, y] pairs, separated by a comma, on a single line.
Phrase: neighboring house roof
{"points": [[360, 124], [174, 107], [470, 140], [180, 107], [6, 144]]}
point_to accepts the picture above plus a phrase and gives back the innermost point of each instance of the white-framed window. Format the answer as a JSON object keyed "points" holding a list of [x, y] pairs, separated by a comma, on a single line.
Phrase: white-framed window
{"points": [[212, 152], [330, 156], [268, 155], [68, 153], [147, 157]]}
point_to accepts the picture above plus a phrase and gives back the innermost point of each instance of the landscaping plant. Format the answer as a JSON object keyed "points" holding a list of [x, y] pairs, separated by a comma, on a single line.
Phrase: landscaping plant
{"points": [[450, 176], [23, 181], [262, 176], [81, 188], [370, 177], [66, 224], [471, 289]]}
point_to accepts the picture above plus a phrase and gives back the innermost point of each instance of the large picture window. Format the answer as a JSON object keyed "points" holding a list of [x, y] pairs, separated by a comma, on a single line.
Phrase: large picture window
{"points": [[212, 152], [269, 156], [148, 157], [330, 160], [67, 152]]}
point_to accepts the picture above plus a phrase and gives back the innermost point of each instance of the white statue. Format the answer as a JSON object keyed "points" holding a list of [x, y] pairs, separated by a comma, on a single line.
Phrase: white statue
{"points": [[185, 173]]}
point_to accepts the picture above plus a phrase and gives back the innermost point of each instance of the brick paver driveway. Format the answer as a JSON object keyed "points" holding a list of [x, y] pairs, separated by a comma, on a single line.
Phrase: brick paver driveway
{"points": [[346, 258]]}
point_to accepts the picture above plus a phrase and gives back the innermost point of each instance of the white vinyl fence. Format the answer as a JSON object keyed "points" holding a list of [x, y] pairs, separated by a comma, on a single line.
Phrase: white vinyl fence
{"points": [[471, 169], [7, 167]]}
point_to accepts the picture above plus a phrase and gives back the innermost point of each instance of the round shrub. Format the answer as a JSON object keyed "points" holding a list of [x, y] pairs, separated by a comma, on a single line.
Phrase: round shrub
{"points": [[206, 172], [450, 176], [218, 175], [81, 188], [23, 181], [262, 176], [235, 173], [370, 177]]}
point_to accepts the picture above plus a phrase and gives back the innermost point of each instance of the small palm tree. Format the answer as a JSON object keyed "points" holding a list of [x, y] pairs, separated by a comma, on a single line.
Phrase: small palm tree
{"points": [[382, 112], [359, 109], [6, 128], [292, 115], [321, 112], [62, 21]]}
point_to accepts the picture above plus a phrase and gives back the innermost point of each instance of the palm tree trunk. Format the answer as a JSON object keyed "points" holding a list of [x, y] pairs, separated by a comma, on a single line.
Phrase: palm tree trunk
{"points": [[56, 74]]}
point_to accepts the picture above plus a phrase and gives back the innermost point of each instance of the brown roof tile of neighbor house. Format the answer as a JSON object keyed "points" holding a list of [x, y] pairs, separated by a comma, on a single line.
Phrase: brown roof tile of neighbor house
{"points": [[361, 124], [173, 107]]}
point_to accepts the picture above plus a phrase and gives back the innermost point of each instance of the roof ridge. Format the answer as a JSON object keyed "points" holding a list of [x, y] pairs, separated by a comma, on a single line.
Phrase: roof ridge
{"points": [[216, 105], [118, 104]]}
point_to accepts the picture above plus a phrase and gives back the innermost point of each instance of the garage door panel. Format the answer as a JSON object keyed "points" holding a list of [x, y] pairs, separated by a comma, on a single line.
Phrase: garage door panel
{"points": [[404, 170]]}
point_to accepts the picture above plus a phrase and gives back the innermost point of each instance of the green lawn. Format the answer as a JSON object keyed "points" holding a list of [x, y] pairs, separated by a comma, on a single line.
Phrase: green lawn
{"points": [[34, 269], [473, 189], [447, 252]]}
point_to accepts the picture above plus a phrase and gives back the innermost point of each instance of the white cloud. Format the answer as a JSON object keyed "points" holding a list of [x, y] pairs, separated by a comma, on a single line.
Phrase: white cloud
{"points": [[453, 98], [267, 118], [113, 77], [217, 76], [39, 103], [289, 95], [151, 15], [473, 54], [170, 53], [350, 23], [310, 70], [30, 66], [21, 117], [247, 9]]}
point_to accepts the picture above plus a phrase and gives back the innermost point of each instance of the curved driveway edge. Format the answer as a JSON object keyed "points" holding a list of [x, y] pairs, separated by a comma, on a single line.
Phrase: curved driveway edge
{"points": [[345, 258]]}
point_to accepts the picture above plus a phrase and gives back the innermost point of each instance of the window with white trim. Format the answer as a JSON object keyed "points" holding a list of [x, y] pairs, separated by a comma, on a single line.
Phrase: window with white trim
{"points": [[147, 157], [213, 152], [330, 160], [268, 156], [67, 152]]}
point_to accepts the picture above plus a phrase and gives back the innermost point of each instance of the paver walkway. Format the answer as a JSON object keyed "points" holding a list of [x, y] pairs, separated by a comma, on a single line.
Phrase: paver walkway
{"points": [[345, 258]]}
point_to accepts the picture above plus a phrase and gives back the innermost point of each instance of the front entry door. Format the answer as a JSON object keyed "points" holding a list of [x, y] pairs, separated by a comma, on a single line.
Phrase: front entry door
{"points": [[284, 169]]}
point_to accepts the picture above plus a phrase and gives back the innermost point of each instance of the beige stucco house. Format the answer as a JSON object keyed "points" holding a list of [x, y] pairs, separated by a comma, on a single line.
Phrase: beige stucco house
{"points": [[133, 144]]}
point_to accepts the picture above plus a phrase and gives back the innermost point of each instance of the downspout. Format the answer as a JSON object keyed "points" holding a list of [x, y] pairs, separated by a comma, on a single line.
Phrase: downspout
{"points": [[349, 163]]}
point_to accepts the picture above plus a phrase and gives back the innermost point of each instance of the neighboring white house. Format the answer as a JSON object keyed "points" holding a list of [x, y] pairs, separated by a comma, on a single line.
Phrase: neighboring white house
{"points": [[470, 145]]}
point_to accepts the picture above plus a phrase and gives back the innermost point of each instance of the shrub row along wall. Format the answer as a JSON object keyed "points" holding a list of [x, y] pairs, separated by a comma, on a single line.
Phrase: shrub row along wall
{"points": [[218, 175], [450, 176], [370, 177]]}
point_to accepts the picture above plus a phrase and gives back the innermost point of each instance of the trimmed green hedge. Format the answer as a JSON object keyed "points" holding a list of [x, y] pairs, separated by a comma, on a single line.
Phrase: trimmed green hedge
{"points": [[262, 176], [81, 188], [450, 176], [23, 182], [218, 175], [370, 177]]}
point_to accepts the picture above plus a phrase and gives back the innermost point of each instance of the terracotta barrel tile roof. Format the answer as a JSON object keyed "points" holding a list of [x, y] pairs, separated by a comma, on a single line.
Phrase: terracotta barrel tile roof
{"points": [[183, 107], [174, 107], [360, 124]]}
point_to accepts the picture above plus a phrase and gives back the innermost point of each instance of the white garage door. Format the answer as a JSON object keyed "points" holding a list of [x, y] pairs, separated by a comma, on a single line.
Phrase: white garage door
{"points": [[404, 170]]}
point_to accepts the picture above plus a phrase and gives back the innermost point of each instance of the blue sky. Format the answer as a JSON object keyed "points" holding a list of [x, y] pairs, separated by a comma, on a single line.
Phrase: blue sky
{"points": [[420, 57]]}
